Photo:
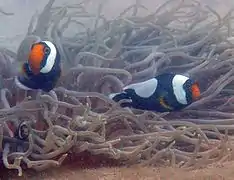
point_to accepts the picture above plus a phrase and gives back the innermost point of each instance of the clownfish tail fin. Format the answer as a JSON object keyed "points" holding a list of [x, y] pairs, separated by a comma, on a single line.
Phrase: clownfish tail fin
{"points": [[121, 96], [118, 96]]}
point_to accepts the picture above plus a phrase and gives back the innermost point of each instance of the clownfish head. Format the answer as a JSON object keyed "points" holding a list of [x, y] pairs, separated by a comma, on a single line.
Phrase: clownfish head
{"points": [[185, 89], [42, 57], [192, 89]]}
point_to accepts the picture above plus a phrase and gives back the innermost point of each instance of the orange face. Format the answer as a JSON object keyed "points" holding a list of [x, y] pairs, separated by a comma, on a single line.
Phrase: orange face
{"points": [[196, 91], [36, 57]]}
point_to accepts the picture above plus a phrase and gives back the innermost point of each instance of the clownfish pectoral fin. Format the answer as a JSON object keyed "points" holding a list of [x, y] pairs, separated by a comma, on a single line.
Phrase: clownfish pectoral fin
{"points": [[164, 104], [25, 83], [65, 69], [21, 69], [63, 73]]}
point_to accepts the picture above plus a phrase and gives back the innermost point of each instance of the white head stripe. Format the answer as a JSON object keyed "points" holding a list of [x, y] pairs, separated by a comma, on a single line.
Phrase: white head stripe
{"points": [[179, 92], [144, 89], [50, 59], [20, 85]]}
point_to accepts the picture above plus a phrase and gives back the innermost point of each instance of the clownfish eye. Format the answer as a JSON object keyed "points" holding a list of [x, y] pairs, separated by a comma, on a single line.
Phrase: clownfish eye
{"points": [[47, 50]]}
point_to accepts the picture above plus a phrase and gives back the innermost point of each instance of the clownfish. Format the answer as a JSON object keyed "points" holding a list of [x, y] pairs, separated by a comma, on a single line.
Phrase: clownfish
{"points": [[163, 93], [43, 68], [22, 131]]}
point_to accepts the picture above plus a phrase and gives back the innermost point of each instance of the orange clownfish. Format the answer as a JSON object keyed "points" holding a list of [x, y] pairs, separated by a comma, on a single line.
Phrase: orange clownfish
{"points": [[43, 68]]}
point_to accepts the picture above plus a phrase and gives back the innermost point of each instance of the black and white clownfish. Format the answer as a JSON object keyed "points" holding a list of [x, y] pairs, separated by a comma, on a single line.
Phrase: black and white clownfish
{"points": [[43, 68], [163, 93]]}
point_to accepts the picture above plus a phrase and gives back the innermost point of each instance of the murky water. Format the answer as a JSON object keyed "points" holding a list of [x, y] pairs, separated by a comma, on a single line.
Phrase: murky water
{"points": [[13, 28]]}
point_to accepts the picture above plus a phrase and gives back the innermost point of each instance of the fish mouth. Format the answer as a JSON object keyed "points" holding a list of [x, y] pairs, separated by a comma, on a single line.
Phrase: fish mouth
{"points": [[196, 93]]}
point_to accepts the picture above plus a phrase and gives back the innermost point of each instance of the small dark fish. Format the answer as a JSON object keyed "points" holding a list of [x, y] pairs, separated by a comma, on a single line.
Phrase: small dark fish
{"points": [[43, 68], [164, 93], [22, 131]]}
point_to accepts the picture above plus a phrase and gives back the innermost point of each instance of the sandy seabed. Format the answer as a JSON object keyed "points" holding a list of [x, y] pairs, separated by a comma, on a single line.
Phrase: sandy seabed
{"points": [[220, 172], [86, 167]]}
